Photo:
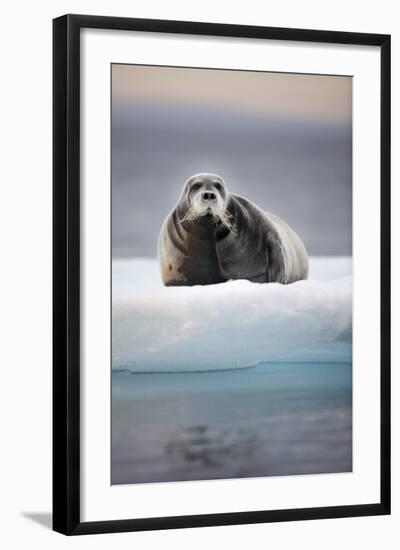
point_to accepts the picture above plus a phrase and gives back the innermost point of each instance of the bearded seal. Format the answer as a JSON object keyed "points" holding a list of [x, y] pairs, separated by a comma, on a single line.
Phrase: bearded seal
{"points": [[213, 236]]}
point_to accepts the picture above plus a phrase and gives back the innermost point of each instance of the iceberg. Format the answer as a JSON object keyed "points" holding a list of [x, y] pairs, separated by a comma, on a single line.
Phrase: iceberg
{"points": [[229, 325]]}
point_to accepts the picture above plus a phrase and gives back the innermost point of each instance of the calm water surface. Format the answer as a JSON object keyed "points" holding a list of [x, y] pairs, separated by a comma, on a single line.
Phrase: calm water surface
{"points": [[269, 420]]}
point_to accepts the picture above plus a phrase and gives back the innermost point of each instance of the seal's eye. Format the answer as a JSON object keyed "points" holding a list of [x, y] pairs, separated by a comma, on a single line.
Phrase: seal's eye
{"points": [[195, 187], [218, 187]]}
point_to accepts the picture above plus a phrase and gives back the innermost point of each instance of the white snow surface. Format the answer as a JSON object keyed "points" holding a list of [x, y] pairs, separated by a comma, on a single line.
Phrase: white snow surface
{"points": [[229, 325]]}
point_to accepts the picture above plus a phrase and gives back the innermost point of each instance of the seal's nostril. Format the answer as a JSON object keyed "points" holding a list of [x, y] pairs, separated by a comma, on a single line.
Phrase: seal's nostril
{"points": [[208, 196]]}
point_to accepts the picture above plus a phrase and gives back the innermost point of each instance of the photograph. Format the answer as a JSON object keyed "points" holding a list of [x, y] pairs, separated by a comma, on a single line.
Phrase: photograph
{"points": [[231, 247], [200, 259]]}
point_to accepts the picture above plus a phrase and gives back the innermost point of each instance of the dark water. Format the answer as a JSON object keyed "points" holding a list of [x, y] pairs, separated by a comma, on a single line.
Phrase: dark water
{"points": [[273, 419]]}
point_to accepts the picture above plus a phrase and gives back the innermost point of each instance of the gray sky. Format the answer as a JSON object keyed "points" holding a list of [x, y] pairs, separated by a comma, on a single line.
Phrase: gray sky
{"points": [[281, 140], [305, 97]]}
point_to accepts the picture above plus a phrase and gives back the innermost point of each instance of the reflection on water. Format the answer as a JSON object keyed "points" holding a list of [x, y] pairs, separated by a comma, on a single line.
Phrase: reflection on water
{"points": [[201, 446], [275, 419]]}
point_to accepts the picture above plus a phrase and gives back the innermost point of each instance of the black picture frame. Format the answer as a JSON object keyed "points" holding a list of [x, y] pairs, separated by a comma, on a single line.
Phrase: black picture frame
{"points": [[66, 273]]}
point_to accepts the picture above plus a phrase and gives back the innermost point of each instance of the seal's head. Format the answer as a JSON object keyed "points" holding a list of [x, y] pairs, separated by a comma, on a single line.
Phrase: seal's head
{"points": [[204, 200]]}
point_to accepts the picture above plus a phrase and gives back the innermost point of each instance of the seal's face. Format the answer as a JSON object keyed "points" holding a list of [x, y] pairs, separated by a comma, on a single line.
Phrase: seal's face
{"points": [[205, 197]]}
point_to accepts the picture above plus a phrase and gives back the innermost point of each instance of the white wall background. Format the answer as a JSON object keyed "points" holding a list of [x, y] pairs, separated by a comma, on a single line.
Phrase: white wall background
{"points": [[25, 289]]}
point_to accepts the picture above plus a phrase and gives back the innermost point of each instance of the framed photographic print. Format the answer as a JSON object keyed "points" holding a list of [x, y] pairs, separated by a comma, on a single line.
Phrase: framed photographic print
{"points": [[221, 274]]}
